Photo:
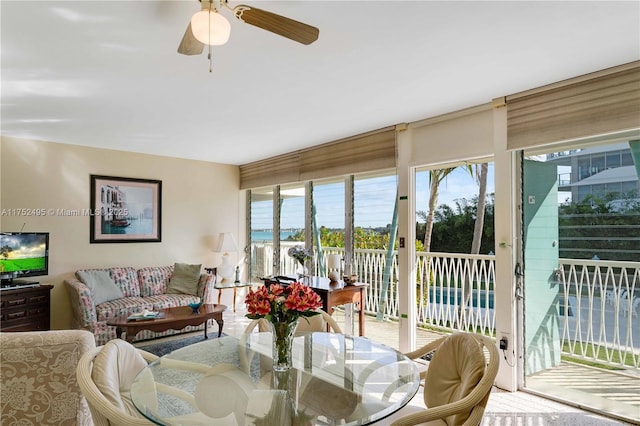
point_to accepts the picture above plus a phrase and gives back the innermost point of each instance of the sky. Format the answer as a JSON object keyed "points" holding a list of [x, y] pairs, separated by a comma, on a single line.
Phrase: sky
{"points": [[374, 200]]}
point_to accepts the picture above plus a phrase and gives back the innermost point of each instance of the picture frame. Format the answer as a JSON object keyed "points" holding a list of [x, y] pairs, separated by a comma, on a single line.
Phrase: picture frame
{"points": [[125, 210]]}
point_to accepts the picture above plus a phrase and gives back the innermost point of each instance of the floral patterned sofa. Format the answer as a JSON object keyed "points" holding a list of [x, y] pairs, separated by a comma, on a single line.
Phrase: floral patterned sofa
{"points": [[144, 288]]}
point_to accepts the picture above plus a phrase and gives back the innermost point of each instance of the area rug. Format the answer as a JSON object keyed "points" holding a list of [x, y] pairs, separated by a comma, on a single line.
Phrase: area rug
{"points": [[165, 347]]}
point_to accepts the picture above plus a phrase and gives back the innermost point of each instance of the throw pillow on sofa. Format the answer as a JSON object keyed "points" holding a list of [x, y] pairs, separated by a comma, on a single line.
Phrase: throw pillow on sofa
{"points": [[185, 279], [102, 287]]}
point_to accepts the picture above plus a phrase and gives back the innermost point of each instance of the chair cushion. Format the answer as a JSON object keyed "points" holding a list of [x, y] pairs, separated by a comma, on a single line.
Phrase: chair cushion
{"points": [[185, 279], [114, 369], [103, 288], [454, 371], [309, 324]]}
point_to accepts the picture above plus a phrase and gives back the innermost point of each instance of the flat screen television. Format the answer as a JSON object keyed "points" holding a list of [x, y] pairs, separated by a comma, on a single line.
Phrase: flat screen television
{"points": [[23, 255]]}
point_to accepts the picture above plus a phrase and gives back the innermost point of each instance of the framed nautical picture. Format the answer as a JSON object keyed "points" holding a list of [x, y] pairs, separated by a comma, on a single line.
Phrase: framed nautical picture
{"points": [[125, 210]]}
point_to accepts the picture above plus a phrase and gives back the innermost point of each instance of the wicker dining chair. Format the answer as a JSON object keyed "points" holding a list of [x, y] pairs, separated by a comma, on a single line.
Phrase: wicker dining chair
{"points": [[457, 382], [105, 375]]}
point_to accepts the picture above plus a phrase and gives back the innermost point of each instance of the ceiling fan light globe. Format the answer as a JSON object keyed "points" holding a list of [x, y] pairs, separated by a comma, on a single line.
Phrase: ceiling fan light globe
{"points": [[206, 20]]}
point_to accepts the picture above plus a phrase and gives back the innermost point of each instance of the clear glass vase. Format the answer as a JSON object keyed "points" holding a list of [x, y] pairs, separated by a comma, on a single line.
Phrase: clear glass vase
{"points": [[282, 333], [304, 272]]}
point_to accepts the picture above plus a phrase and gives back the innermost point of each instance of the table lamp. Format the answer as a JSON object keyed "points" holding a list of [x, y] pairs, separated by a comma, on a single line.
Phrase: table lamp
{"points": [[334, 262], [226, 244]]}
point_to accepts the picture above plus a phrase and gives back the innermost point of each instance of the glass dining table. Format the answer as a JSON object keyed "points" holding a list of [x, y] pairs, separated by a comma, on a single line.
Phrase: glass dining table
{"points": [[335, 380]]}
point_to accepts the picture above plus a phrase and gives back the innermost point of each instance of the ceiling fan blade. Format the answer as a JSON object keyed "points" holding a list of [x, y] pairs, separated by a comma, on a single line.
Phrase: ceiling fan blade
{"points": [[289, 28], [189, 44]]}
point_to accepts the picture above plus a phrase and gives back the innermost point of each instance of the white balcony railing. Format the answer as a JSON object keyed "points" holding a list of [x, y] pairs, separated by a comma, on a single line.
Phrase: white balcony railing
{"points": [[598, 301], [600, 305]]}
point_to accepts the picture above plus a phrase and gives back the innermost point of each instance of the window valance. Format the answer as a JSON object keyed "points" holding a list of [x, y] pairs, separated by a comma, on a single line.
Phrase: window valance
{"points": [[603, 102], [366, 152]]}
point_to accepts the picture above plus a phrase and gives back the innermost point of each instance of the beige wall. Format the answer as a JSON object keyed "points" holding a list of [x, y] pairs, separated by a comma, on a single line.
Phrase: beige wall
{"points": [[199, 200]]}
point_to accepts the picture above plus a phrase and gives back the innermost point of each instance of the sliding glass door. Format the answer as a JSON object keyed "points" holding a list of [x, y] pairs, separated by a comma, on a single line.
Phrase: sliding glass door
{"points": [[292, 225], [581, 263], [541, 292], [261, 233]]}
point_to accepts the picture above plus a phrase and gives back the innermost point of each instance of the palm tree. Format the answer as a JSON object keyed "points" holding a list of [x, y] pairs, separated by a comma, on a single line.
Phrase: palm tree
{"points": [[435, 177], [480, 173], [481, 178]]}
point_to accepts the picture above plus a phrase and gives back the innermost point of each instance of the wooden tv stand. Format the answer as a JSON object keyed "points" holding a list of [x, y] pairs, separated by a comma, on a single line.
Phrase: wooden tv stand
{"points": [[25, 308]]}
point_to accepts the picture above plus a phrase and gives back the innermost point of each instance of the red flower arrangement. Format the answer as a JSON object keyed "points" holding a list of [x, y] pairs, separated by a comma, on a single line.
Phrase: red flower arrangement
{"points": [[278, 304], [282, 306]]}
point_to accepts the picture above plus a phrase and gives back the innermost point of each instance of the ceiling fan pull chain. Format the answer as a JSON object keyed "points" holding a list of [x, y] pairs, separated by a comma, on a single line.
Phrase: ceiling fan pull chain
{"points": [[209, 36]]}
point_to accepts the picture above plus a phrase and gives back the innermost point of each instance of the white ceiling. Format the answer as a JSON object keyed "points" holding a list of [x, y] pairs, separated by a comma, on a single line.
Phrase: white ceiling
{"points": [[107, 74]]}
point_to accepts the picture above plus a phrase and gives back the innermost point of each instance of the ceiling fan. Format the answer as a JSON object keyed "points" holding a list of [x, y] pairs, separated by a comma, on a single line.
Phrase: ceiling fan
{"points": [[210, 27]]}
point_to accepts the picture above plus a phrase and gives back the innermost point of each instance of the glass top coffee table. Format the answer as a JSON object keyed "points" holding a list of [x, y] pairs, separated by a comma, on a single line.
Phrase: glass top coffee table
{"points": [[335, 379]]}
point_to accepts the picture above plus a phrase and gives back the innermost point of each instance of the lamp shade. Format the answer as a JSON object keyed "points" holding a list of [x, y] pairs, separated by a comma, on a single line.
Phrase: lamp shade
{"points": [[210, 27], [333, 261], [227, 243]]}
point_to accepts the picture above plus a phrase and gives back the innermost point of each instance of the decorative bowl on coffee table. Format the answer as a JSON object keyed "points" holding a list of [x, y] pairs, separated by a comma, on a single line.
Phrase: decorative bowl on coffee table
{"points": [[195, 306]]}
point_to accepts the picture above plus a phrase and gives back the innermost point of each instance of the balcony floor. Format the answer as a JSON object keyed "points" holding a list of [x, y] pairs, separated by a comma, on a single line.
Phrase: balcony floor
{"points": [[511, 408]]}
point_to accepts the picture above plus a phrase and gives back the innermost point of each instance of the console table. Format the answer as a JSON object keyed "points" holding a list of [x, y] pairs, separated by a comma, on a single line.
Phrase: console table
{"points": [[332, 294], [25, 308]]}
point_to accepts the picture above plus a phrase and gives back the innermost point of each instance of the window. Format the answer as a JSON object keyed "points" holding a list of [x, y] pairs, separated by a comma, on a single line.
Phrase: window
{"points": [[328, 220], [627, 159], [613, 159], [597, 164], [261, 238], [374, 201], [584, 168], [292, 224]]}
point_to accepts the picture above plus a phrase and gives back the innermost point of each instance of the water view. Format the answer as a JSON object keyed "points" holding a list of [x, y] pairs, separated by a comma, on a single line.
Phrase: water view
{"points": [[267, 234]]}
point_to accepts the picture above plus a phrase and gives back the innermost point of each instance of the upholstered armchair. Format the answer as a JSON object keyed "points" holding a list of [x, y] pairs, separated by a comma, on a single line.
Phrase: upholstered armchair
{"points": [[38, 378]]}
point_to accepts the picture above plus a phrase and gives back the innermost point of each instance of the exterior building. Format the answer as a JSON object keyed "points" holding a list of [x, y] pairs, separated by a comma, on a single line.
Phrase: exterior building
{"points": [[599, 171], [608, 230]]}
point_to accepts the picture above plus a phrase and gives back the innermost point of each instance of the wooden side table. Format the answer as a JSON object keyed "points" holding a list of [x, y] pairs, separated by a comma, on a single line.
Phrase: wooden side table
{"points": [[234, 286]]}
